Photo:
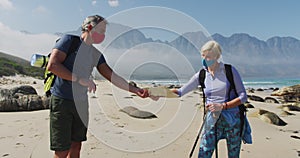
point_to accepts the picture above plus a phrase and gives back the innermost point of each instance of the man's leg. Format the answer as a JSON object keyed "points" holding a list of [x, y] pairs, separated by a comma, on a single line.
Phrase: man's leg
{"points": [[74, 152], [61, 154], [61, 120]]}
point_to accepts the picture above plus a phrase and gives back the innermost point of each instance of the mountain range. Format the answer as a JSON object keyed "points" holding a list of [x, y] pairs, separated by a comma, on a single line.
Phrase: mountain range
{"points": [[275, 57]]}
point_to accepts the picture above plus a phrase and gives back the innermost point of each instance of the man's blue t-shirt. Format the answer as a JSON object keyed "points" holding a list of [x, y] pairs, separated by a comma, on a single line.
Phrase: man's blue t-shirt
{"points": [[81, 63]]}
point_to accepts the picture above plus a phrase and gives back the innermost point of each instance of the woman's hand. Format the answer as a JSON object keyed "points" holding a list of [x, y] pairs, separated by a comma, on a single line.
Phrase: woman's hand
{"points": [[214, 107], [175, 91]]}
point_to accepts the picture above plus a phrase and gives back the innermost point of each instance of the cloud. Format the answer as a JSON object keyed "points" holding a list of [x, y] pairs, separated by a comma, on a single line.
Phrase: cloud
{"points": [[40, 10], [22, 44], [113, 3], [94, 3], [6, 4], [143, 60]]}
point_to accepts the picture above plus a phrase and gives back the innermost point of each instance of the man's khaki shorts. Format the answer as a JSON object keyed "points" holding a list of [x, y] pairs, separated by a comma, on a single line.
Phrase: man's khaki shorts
{"points": [[66, 125]]}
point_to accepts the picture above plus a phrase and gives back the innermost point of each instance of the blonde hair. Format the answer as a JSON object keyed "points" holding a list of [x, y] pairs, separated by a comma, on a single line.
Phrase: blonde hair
{"points": [[212, 46]]}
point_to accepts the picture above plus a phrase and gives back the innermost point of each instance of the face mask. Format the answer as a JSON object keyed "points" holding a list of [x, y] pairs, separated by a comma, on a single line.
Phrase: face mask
{"points": [[208, 63], [97, 37]]}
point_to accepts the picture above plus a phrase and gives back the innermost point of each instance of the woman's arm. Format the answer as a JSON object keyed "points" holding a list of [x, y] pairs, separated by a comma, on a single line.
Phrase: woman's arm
{"points": [[240, 89], [189, 86]]}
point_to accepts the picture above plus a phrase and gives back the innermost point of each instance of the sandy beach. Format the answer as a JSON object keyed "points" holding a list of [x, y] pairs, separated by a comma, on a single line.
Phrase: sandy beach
{"points": [[114, 134]]}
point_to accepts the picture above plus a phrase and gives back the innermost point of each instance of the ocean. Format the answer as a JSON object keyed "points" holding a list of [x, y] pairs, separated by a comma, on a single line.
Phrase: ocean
{"points": [[270, 83], [255, 83]]}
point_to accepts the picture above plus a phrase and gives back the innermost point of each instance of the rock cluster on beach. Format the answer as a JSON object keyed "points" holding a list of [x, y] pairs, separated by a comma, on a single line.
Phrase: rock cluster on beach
{"points": [[287, 100], [289, 94], [22, 98]]}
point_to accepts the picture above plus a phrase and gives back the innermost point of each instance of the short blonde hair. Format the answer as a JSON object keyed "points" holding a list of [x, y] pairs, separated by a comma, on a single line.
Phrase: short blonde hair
{"points": [[212, 46]]}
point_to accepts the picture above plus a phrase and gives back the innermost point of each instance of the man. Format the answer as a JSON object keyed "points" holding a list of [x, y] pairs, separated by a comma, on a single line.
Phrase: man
{"points": [[69, 101]]}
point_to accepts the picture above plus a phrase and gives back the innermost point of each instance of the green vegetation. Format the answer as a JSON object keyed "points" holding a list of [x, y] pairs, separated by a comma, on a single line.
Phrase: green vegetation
{"points": [[10, 65]]}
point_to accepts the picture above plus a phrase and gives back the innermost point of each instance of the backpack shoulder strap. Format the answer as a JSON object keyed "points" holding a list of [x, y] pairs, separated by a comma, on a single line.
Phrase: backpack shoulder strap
{"points": [[201, 83], [242, 108], [75, 41], [229, 77], [202, 78]]}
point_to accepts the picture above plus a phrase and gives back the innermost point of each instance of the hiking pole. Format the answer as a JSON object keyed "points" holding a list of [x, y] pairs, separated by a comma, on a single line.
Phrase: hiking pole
{"points": [[199, 133]]}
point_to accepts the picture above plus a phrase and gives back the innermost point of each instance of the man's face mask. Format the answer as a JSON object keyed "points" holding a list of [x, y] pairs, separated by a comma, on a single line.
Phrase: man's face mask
{"points": [[97, 37]]}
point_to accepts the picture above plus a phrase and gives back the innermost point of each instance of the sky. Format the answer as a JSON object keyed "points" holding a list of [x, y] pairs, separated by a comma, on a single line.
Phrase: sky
{"points": [[258, 18]]}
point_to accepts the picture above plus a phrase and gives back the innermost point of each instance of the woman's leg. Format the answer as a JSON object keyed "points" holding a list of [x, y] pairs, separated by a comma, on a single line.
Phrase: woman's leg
{"points": [[233, 140], [207, 143], [210, 138]]}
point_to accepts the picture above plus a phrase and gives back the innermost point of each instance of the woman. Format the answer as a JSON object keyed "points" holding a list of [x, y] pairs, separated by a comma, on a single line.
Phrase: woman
{"points": [[222, 117]]}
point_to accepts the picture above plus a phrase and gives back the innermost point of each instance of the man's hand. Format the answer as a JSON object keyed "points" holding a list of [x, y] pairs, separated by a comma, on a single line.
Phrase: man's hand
{"points": [[143, 93], [90, 84]]}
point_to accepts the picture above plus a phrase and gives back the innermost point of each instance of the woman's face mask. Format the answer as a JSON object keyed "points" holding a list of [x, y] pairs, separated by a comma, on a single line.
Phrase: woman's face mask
{"points": [[208, 63]]}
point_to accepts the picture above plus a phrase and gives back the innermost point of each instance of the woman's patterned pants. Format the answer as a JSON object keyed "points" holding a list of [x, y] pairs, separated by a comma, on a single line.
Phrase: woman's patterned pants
{"points": [[223, 130]]}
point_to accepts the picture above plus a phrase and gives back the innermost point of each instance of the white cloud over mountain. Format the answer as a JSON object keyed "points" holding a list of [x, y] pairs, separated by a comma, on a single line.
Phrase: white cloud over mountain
{"points": [[22, 44]]}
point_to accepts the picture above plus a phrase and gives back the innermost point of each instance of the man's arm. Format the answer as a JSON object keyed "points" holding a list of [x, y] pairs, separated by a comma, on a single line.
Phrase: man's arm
{"points": [[118, 81], [55, 65]]}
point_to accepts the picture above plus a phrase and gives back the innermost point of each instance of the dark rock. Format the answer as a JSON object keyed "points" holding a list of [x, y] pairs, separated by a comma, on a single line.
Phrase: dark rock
{"points": [[248, 105], [259, 90], [26, 90], [291, 108], [295, 137], [171, 86], [250, 90], [256, 98], [134, 112], [271, 100], [270, 117], [286, 113], [276, 89]]}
